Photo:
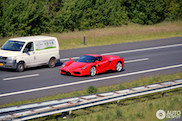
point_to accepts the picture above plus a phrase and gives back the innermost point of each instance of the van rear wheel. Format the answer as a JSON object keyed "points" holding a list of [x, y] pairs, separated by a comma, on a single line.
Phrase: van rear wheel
{"points": [[20, 67], [52, 63]]}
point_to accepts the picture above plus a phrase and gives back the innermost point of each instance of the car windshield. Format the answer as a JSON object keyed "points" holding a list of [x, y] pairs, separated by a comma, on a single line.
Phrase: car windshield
{"points": [[86, 59], [13, 45]]}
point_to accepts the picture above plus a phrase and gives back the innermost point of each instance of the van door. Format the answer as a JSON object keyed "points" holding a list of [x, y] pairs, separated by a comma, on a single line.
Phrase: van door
{"points": [[29, 54], [44, 49]]}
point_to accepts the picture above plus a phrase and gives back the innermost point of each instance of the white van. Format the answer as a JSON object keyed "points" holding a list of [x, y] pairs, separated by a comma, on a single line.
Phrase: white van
{"points": [[24, 52]]}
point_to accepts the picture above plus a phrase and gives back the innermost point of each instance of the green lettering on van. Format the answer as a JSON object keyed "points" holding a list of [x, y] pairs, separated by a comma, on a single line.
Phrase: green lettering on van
{"points": [[45, 48]]}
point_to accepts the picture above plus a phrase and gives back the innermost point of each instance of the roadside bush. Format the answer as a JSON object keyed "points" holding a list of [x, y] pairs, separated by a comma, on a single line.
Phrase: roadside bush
{"points": [[91, 90]]}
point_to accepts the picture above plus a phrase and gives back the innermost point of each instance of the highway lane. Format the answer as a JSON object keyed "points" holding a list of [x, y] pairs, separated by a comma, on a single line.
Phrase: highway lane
{"points": [[167, 54]]}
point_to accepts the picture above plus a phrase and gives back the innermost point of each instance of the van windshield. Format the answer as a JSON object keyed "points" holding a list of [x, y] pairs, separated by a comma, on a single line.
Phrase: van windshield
{"points": [[13, 45]]}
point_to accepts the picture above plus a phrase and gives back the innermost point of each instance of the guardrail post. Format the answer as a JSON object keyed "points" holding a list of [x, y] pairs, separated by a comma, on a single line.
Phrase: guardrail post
{"points": [[70, 113], [162, 93], [118, 102], [84, 40]]}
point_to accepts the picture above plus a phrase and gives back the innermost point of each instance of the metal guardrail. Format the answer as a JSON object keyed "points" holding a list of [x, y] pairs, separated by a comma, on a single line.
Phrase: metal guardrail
{"points": [[30, 111]]}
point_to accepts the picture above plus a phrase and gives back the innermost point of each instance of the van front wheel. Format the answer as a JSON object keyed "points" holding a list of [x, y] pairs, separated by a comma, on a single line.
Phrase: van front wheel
{"points": [[20, 67], [52, 63]]}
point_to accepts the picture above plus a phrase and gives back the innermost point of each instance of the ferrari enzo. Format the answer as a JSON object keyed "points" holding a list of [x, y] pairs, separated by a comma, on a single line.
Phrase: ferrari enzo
{"points": [[92, 64]]}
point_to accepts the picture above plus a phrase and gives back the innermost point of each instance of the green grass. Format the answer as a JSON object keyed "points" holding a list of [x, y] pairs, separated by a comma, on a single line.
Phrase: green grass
{"points": [[114, 35]]}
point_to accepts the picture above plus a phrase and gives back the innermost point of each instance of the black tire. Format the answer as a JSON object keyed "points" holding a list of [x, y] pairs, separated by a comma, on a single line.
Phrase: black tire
{"points": [[20, 67], [119, 66], [93, 71], [52, 63]]}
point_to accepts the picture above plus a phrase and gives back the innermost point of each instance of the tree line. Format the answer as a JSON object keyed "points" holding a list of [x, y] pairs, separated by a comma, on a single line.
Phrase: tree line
{"points": [[33, 17]]}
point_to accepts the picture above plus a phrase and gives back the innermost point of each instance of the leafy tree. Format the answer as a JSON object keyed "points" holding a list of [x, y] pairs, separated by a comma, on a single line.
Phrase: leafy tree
{"points": [[1, 14], [23, 17], [52, 10], [172, 9], [180, 10], [31, 17], [146, 11]]}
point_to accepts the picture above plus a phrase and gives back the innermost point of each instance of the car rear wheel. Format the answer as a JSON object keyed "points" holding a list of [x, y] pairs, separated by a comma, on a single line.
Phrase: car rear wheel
{"points": [[119, 66], [20, 67], [93, 71], [52, 63]]}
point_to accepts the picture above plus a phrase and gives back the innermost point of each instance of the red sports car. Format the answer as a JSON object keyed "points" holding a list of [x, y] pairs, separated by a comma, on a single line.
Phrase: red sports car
{"points": [[92, 64]]}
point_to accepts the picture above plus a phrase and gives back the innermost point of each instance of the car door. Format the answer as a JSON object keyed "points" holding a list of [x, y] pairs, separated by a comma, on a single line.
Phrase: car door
{"points": [[29, 54], [102, 64]]}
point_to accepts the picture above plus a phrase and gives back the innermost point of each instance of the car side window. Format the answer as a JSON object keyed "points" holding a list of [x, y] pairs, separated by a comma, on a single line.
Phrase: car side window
{"points": [[29, 46], [99, 58]]}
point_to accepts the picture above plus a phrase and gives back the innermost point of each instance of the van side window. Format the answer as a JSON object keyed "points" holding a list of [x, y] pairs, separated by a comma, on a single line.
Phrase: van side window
{"points": [[29, 46]]}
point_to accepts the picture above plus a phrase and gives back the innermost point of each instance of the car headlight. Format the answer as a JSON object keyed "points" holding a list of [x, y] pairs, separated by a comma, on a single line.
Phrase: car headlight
{"points": [[84, 67]]}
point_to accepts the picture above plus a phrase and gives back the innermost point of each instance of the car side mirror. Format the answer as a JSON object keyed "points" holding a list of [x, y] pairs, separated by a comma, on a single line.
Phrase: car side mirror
{"points": [[25, 50], [96, 61], [69, 59]]}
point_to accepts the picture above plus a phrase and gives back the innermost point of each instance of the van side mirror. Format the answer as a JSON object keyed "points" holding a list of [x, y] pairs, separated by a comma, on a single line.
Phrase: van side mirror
{"points": [[25, 50]]}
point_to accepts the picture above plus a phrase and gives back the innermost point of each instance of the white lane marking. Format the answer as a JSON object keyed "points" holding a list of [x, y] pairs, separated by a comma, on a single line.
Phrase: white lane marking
{"points": [[129, 51], [20, 77], [137, 60], [90, 80], [144, 49], [26, 76]]}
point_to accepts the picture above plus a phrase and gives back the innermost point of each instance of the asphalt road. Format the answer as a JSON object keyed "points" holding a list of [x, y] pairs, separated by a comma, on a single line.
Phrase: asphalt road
{"points": [[142, 59]]}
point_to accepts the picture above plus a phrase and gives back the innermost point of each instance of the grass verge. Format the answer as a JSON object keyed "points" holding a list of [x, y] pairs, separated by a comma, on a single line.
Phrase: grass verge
{"points": [[115, 35], [142, 108]]}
